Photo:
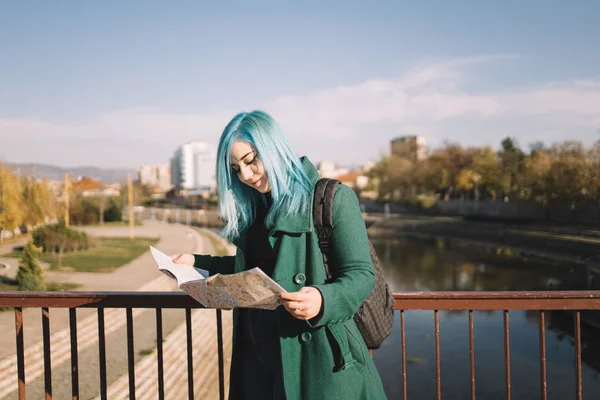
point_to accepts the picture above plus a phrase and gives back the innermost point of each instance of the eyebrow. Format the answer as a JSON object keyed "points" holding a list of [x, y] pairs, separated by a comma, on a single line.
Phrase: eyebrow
{"points": [[246, 155]]}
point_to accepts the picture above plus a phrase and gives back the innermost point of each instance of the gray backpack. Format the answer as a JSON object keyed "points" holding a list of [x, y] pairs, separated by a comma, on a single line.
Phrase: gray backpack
{"points": [[375, 316]]}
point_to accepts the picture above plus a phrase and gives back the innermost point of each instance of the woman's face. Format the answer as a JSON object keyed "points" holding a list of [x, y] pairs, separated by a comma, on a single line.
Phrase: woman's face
{"points": [[246, 164]]}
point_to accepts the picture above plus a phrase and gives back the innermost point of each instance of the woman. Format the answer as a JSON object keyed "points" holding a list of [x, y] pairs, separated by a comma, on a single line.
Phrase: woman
{"points": [[310, 347]]}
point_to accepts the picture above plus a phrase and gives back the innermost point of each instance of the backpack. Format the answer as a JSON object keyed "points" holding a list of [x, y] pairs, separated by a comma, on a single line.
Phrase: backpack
{"points": [[375, 316]]}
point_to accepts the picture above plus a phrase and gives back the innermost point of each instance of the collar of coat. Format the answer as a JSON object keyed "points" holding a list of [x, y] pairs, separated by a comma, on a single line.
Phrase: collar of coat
{"points": [[295, 223]]}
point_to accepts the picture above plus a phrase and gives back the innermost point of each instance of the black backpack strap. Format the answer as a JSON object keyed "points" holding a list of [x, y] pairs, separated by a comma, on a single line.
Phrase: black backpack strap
{"points": [[323, 216]]}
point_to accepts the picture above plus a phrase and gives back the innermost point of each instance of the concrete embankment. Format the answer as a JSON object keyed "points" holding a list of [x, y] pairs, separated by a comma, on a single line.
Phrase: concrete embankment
{"points": [[570, 244]]}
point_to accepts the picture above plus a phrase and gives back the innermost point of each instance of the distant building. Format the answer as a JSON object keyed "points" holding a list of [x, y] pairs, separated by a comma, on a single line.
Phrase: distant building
{"points": [[89, 187], [156, 176], [327, 169], [368, 166], [193, 168], [409, 147]]}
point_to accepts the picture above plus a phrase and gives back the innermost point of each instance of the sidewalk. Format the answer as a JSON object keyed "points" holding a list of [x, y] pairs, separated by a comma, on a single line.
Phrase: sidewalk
{"points": [[7, 247]]}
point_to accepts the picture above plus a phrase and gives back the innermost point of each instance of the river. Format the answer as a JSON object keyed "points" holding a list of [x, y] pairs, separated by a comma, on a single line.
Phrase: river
{"points": [[439, 265]]}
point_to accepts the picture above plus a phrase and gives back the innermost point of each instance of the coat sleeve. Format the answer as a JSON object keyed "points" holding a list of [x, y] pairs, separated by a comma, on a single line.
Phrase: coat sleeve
{"points": [[349, 260], [214, 264]]}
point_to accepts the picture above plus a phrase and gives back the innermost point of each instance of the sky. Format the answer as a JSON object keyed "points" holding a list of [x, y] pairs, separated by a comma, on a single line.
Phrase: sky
{"points": [[123, 83]]}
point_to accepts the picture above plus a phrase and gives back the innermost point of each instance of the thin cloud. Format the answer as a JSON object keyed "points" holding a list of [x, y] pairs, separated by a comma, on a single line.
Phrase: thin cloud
{"points": [[431, 99]]}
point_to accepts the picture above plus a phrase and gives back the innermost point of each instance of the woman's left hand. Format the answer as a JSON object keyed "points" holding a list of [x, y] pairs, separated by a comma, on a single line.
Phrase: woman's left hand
{"points": [[305, 304]]}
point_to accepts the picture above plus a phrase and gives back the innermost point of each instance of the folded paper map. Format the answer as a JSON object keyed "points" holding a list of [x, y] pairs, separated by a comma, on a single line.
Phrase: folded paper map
{"points": [[248, 289]]}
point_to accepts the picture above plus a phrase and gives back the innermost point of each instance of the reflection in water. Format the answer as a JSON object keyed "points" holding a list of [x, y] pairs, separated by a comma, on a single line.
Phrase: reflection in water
{"points": [[438, 265]]}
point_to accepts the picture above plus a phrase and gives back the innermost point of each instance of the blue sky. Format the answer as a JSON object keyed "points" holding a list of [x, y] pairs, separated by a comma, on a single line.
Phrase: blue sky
{"points": [[122, 83]]}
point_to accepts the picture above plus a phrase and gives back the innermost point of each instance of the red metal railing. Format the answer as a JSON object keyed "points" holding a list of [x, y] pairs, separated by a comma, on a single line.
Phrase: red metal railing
{"points": [[575, 301], [542, 301], [101, 301]]}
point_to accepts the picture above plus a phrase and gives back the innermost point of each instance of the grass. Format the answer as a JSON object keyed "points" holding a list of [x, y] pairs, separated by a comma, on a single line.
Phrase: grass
{"points": [[50, 287], [61, 287], [146, 352], [107, 255], [112, 223], [220, 249]]}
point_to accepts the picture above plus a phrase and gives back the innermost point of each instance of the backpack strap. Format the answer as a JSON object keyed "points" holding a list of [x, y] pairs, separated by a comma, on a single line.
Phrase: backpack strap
{"points": [[323, 216]]}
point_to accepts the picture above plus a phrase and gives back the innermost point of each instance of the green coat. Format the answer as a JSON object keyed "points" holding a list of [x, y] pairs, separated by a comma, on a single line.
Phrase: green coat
{"points": [[324, 359]]}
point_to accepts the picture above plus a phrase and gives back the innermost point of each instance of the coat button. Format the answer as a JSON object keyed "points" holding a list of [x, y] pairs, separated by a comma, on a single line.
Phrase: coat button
{"points": [[299, 279], [305, 337]]}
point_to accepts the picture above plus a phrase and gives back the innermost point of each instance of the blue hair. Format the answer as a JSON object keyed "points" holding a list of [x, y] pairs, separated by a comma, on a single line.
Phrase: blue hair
{"points": [[291, 190]]}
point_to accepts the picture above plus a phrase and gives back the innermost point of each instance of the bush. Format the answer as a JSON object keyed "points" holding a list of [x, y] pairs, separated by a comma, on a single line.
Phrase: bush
{"points": [[424, 201], [86, 210], [30, 275], [113, 210], [58, 238]]}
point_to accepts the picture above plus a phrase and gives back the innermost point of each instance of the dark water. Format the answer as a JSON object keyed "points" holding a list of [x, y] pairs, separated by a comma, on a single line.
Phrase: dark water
{"points": [[437, 265]]}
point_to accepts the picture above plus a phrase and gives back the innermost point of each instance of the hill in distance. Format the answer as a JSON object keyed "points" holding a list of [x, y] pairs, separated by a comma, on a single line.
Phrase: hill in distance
{"points": [[54, 172]]}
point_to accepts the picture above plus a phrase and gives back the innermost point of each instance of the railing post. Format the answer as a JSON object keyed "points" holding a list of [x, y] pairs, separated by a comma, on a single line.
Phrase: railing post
{"points": [[220, 354], [577, 331], [190, 355], [74, 358], [543, 384], [437, 355], [130, 353], [507, 354], [472, 353], [159, 354], [20, 353], [47, 358], [102, 354], [403, 346]]}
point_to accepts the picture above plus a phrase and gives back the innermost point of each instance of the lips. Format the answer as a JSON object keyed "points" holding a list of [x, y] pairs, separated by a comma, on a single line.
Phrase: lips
{"points": [[256, 183]]}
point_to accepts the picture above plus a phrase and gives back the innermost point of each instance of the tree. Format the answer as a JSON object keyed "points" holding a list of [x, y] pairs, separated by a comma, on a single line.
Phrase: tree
{"points": [[378, 174], [449, 161], [142, 194], [593, 158], [11, 203], [34, 211], [535, 175], [487, 172], [30, 275], [569, 172], [467, 180], [536, 147], [47, 200], [512, 158]]}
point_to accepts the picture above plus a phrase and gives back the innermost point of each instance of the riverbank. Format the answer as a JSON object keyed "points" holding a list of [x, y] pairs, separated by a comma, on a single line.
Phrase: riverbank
{"points": [[571, 244]]}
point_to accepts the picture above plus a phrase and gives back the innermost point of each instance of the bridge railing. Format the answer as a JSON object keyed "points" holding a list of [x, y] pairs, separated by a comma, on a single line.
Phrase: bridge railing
{"points": [[574, 301]]}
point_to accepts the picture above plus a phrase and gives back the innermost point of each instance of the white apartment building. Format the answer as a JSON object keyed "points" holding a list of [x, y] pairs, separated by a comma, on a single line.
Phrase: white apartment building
{"points": [[193, 168], [156, 176]]}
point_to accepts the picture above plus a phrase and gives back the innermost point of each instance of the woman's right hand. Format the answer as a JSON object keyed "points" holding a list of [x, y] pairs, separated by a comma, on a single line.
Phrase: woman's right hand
{"points": [[185, 259]]}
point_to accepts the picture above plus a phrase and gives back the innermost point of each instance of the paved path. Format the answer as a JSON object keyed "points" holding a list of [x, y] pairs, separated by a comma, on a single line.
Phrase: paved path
{"points": [[8, 266], [140, 274], [7, 247]]}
